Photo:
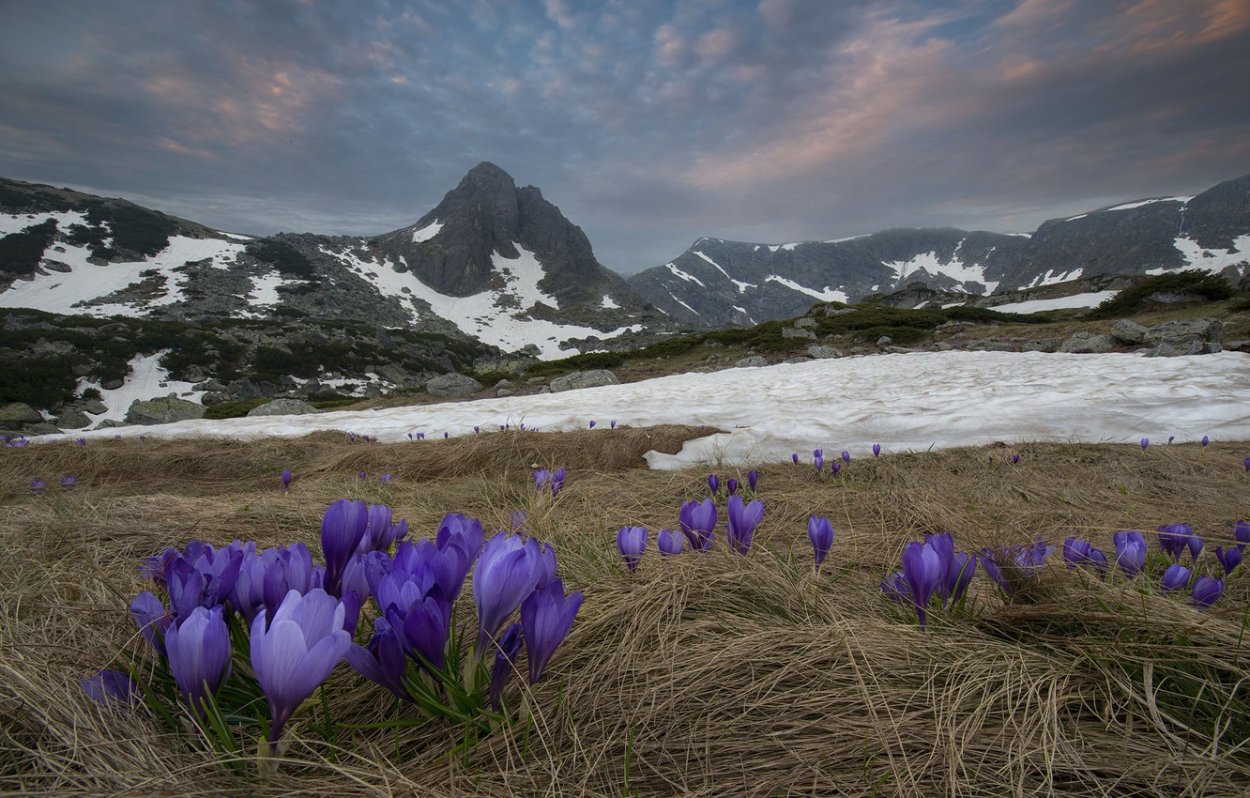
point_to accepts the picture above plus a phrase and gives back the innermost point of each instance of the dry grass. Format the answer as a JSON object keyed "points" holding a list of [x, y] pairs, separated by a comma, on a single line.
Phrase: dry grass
{"points": [[706, 675]]}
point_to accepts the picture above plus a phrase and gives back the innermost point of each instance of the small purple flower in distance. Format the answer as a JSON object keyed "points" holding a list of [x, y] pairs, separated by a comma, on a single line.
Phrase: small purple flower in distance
{"points": [[1175, 577], [286, 479], [713, 483], [795, 458], [1205, 441], [835, 467], [591, 425], [846, 457], [753, 479], [612, 424], [1174, 539], [557, 480], [1230, 558], [420, 436], [80, 441], [1015, 458], [446, 435], [631, 542], [409, 436], [876, 450], [388, 477], [1207, 590], [669, 542], [1246, 463], [820, 532], [818, 460], [361, 475], [38, 486], [731, 486], [68, 481], [1144, 443], [477, 428]]}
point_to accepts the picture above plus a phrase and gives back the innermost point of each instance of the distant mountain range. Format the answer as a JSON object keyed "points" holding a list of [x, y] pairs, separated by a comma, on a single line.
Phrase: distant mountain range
{"points": [[503, 266], [718, 283]]}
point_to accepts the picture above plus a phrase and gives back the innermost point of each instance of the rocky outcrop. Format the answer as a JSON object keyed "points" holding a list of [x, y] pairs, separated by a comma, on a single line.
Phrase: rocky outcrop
{"points": [[1087, 343], [1186, 337], [163, 411], [282, 407], [16, 415], [592, 378], [453, 384]]}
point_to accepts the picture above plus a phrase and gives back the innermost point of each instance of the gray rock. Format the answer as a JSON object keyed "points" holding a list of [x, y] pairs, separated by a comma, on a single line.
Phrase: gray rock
{"points": [[503, 384], [1086, 343], [80, 369], [1186, 337], [283, 407], [453, 384], [194, 374], [42, 428], [73, 420], [109, 423], [797, 332], [94, 406], [991, 345], [394, 374], [885, 340], [1178, 347], [1128, 331], [17, 414], [591, 378], [807, 322], [163, 411], [1040, 345], [754, 361], [822, 352]]}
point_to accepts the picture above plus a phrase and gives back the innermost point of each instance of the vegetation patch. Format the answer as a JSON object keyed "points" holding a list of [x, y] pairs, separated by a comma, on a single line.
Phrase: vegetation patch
{"points": [[1198, 283], [21, 253]]}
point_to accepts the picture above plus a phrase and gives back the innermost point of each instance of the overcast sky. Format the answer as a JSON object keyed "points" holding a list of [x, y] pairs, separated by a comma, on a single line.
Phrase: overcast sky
{"points": [[648, 123]]}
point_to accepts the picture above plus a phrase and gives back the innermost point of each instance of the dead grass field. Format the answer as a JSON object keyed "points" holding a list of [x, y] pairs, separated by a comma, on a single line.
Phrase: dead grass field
{"points": [[713, 675]]}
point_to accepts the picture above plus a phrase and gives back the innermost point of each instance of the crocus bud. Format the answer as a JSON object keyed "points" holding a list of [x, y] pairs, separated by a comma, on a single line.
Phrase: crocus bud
{"points": [[668, 542], [1175, 577], [743, 519], [286, 479], [1205, 441], [876, 450], [820, 532], [1144, 443], [731, 486], [631, 542], [846, 457], [753, 478], [1130, 551], [795, 458], [1241, 531], [1207, 590], [713, 483], [1230, 558]]}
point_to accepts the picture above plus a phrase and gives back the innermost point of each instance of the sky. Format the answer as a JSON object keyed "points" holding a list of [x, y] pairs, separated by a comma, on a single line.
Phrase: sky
{"points": [[649, 123], [949, 399]]}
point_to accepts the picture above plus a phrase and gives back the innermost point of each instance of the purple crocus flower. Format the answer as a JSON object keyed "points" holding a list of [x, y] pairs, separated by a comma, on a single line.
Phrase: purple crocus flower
{"points": [[387, 478], [698, 520], [894, 587], [423, 627], [713, 483], [1144, 443], [296, 651], [38, 486], [923, 572], [68, 481], [731, 486], [1175, 577], [818, 460], [753, 479], [198, 650], [362, 476], [592, 424], [1230, 558], [286, 479], [1241, 532], [1246, 463], [505, 663], [80, 441], [1207, 591], [1015, 458], [107, 686], [446, 435], [876, 450], [612, 424], [477, 428], [743, 519], [820, 532], [342, 529], [546, 617], [557, 481], [631, 542], [1174, 539], [1130, 551], [1205, 441], [835, 468], [795, 458], [1078, 552], [846, 457], [944, 545], [668, 542], [150, 618], [962, 568], [508, 570], [382, 661]]}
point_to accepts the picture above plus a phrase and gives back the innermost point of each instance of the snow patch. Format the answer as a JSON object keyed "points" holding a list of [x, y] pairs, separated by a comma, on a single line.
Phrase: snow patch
{"points": [[427, 232], [742, 286], [928, 263], [1050, 277], [234, 236], [683, 304], [608, 304], [790, 247], [948, 399], [1090, 300], [17, 222], [265, 289], [1130, 205], [1211, 260], [825, 295], [147, 379], [690, 278]]}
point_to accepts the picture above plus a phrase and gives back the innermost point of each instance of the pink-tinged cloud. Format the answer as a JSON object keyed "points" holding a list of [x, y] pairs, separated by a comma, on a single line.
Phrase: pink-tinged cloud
{"points": [[670, 47], [716, 45], [776, 13]]}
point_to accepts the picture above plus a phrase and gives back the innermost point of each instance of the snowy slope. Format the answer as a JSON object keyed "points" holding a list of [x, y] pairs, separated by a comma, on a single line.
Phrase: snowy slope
{"points": [[147, 380], [947, 399], [1090, 300]]}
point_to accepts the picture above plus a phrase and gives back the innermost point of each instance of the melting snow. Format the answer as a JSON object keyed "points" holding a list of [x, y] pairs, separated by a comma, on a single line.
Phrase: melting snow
{"points": [[742, 286], [1090, 300], [427, 232], [826, 295], [17, 222], [683, 304], [690, 278], [1129, 205], [928, 262], [147, 380], [265, 289], [489, 316], [1211, 260], [235, 236], [1050, 278], [948, 399], [608, 304], [789, 247], [1074, 218], [60, 292]]}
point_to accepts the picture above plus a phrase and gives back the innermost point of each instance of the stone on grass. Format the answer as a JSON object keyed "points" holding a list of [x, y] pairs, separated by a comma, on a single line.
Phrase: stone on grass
{"points": [[163, 411], [283, 407], [452, 384]]}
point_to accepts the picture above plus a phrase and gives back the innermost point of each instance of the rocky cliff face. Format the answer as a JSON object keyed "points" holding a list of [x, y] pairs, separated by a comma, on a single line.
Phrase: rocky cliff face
{"points": [[719, 283]]}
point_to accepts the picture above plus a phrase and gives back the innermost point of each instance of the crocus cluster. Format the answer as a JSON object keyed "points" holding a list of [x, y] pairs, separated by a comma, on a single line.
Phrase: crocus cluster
{"points": [[931, 568], [552, 481]]}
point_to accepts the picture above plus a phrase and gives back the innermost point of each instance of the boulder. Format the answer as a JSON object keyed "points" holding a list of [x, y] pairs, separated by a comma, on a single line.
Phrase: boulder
{"points": [[885, 340], [1128, 331], [283, 407], [591, 378], [453, 384], [822, 352], [94, 406], [1086, 343], [42, 428], [797, 332], [163, 411], [1186, 337], [73, 419], [754, 361], [17, 414]]}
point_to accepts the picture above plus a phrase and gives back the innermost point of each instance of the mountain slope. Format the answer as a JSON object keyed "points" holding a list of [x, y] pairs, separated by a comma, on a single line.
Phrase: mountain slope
{"points": [[720, 283]]}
